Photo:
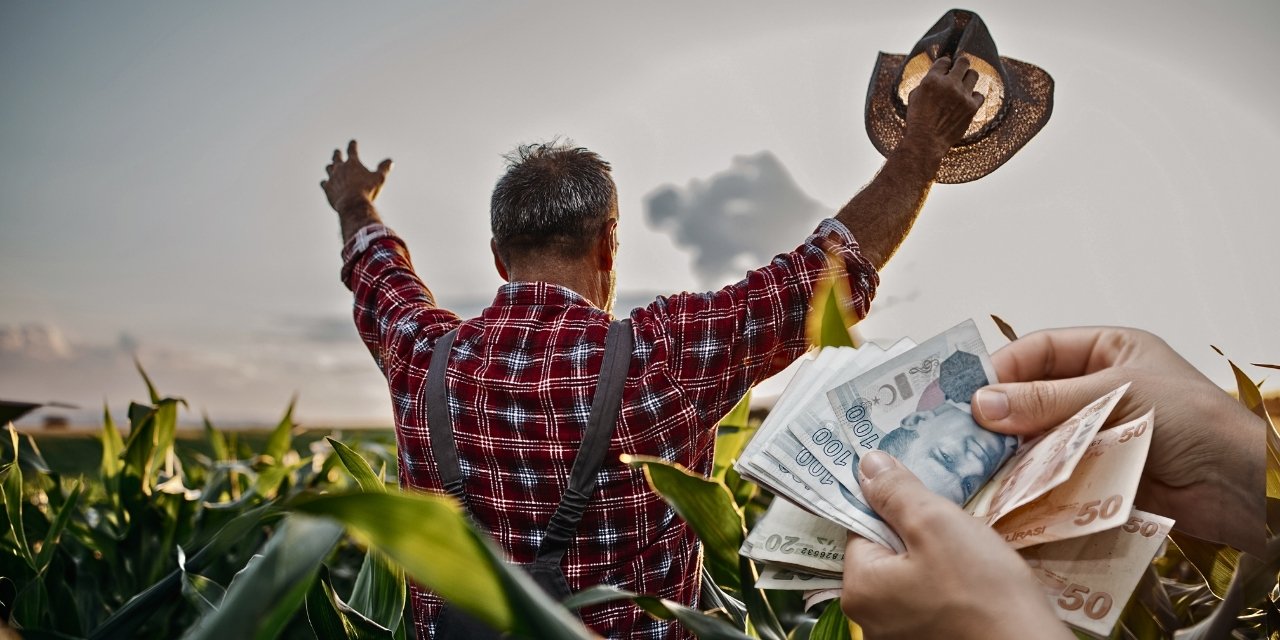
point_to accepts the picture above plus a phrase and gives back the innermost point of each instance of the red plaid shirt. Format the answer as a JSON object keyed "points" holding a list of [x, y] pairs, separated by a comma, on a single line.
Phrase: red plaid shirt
{"points": [[520, 382]]}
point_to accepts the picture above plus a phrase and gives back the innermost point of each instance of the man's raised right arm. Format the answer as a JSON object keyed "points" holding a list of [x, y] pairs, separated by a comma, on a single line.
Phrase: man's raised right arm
{"points": [[393, 308], [938, 113]]}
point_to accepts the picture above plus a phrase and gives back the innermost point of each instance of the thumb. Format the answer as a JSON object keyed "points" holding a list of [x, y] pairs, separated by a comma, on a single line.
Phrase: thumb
{"points": [[384, 167], [901, 499], [1028, 408]]}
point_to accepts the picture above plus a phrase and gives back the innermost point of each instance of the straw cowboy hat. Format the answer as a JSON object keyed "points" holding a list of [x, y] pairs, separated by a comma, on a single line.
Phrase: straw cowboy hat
{"points": [[1018, 97]]}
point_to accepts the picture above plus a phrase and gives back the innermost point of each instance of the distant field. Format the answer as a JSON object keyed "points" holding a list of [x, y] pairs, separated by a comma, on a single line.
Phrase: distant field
{"points": [[79, 451]]}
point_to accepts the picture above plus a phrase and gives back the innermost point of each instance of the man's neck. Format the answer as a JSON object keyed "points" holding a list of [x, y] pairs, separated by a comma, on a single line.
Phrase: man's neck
{"points": [[579, 278]]}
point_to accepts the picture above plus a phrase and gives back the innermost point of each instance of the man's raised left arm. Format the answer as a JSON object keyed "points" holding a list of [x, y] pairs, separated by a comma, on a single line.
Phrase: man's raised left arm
{"points": [[393, 308]]}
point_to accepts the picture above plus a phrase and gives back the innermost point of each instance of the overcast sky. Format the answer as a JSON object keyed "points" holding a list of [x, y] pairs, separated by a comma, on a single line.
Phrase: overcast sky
{"points": [[159, 182]]}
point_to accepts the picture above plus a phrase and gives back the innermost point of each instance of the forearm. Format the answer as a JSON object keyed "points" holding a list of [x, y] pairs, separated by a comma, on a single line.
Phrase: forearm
{"points": [[356, 215], [882, 213]]}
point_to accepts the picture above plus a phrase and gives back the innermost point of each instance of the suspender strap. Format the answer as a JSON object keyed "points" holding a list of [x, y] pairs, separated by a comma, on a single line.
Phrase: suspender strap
{"points": [[605, 405], [595, 443], [439, 424]]}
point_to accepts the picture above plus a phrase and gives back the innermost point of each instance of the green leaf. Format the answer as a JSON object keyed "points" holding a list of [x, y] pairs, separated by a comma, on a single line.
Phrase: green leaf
{"points": [[282, 436], [703, 626], [112, 448], [760, 611], [139, 451], [828, 324], [31, 607], [264, 595], [201, 592], [54, 537], [1004, 328], [217, 442], [1215, 563], [832, 625], [11, 489], [358, 467], [732, 435], [709, 509], [380, 590], [428, 536], [151, 388], [330, 617]]}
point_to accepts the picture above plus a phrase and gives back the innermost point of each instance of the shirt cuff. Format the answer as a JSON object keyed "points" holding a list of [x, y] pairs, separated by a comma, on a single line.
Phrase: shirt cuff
{"points": [[360, 242], [832, 226]]}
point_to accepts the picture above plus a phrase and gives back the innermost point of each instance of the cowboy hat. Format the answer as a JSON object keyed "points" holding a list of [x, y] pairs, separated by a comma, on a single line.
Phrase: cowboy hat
{"points": [[1018, 97]]}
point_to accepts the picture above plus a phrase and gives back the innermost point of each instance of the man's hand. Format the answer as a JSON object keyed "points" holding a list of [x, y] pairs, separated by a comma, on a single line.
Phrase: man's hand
{"points": [[938, 112], [957, 579], [941, 107], [351, 189], [1205, 469]]}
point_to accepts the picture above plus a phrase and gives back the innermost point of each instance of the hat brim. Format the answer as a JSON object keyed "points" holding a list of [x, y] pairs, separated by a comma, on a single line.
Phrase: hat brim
{"points": [[1028, 104]]}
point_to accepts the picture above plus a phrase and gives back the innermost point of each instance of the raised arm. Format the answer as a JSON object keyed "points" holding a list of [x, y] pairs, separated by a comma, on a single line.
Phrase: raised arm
{"points": [[939, 110], [394, 311]]}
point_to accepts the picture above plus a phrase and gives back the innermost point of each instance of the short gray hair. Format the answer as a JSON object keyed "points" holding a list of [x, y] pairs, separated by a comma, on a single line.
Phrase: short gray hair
{"points": [[553, 196]]}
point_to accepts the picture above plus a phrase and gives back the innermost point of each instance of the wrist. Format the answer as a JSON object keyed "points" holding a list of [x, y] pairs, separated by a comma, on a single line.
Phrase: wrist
{"points": [[354, 215], [930, 146]]}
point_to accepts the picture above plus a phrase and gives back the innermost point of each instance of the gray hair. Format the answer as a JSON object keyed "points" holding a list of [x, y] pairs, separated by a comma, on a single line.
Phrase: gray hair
{"points": [[553, 197]]}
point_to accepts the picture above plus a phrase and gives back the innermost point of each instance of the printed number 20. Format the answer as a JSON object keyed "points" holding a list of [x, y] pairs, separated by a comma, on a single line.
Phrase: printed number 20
{"points": [[1096, 606]]}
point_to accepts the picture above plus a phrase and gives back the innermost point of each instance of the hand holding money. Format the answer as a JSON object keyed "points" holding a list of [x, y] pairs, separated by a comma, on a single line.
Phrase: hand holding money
{"points": [[958, 579], [1207, 448]]}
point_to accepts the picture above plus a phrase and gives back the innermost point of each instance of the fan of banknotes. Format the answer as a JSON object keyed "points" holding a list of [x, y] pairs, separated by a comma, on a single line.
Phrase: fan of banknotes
{"points": [[1063, 499]]}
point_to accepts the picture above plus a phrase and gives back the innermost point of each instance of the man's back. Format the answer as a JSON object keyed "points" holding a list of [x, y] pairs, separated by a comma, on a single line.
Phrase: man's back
{"points": [[520, 383]]}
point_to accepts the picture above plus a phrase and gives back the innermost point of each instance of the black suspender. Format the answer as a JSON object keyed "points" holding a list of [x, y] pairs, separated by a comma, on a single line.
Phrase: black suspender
{"points": [[605, 405]]}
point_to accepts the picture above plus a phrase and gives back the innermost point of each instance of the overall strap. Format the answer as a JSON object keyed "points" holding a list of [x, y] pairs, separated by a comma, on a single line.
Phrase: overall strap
{"points": [[439, 424], [605, 406]]}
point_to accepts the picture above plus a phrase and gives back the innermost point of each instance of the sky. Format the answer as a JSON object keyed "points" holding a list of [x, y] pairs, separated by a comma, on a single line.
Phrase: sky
{"points": [[159, 185]]}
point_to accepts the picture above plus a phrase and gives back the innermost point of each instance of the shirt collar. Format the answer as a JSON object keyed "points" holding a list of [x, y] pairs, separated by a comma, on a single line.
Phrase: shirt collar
{"points": [[537, 294]]}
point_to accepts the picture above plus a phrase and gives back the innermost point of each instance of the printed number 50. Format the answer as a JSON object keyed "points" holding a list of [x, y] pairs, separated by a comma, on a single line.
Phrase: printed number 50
{"points": [[1090, 510], [1095, 606]]}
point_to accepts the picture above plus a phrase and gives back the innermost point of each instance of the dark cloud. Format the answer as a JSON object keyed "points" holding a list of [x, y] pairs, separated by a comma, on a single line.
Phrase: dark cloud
{"points": [[737, 219]]}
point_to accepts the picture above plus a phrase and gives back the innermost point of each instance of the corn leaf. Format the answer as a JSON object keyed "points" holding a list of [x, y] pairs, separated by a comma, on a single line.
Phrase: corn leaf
{"points": [[1215, 563], [828, 324], [732, 435], [762, 617], [709, 509], [204, 594], [831, 625], [429, 537], [330, 617], [1004, 328], [217, 442], [112, 448], [54, 537], [704, 626], [264, 595], [282, 436], [11, 489], [380, 590], [358, 467]]}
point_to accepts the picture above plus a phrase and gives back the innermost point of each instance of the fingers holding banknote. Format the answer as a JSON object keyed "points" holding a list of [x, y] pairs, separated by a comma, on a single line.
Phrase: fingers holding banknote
{"points": [[976, 585], [1207, 449]]}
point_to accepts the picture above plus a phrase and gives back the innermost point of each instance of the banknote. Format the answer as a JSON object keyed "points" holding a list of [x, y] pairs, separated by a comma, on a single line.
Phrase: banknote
{"points": [[1043, 463], [1098, 495], [788, 579], [789, 535], [915, 406], [1089, 579]]}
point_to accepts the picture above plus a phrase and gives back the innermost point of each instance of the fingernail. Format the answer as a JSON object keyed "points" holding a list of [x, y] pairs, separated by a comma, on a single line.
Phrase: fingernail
{"points": [[992, 404], [874, 463]]}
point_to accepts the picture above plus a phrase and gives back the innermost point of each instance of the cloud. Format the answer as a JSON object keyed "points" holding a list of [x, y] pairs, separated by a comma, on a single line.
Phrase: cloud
{"points": [[238, 381], [736, 219]]}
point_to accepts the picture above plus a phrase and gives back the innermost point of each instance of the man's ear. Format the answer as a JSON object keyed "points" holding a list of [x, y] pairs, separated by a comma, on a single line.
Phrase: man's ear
{"points": [[497, 260], [607, 245], [916, 418]]}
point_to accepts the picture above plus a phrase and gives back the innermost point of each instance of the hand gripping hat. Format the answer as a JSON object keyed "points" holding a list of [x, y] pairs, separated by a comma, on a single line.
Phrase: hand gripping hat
{"points": [[1018, 97]]}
